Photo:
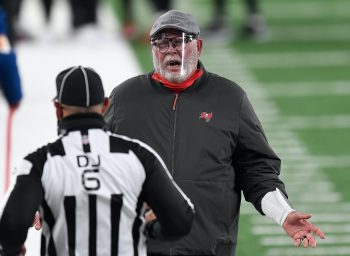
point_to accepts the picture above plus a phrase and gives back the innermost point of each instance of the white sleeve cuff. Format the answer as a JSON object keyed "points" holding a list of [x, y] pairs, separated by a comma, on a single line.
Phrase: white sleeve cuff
{"points": [[275, 206]]}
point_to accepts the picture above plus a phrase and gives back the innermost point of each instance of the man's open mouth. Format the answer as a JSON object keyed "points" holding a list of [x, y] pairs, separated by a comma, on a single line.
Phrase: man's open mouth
{"points": [[173, 63]]}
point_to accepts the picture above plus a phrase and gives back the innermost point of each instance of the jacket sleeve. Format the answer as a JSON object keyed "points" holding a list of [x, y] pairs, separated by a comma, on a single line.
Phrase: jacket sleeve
{"points": [[257, 166], [173, 209], [20, 205], [110, 113]]}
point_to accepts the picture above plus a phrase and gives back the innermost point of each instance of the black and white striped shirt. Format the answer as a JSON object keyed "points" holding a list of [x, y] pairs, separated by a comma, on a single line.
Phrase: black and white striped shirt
{"points": [[90, 186]]}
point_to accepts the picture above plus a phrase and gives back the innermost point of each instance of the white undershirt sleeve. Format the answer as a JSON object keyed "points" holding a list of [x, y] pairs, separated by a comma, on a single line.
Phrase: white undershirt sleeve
{"points": [[275, 206]]}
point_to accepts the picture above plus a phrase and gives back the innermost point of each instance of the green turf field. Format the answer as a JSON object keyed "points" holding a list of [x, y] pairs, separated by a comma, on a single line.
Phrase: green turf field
{"points": [[299, 81]]}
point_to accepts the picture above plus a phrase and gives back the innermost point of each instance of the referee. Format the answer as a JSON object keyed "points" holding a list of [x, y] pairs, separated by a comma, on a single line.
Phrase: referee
{"points": [[91, 186]]}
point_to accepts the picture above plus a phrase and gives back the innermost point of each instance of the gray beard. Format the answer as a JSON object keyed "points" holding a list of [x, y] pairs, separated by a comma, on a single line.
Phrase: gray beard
{"points": [[188, 68]]}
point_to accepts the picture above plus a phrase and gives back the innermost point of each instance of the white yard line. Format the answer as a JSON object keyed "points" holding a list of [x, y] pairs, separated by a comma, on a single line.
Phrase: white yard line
{"points": [[324, 251], [312, 122], [277, 10], [298, 59], [332, 207], [317, 161], [306, 33], [273, 229], [307, 89], [273, 241], [318, 186], [318, 218], [307, 9]]}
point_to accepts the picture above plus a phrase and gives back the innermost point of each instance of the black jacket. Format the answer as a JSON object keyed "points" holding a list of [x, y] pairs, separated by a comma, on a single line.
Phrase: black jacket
{"points": [[212, 143]]}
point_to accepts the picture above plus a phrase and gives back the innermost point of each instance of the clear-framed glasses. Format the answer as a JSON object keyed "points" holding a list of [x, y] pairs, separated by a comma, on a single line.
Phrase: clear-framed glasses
{"points": [[178, 43]]}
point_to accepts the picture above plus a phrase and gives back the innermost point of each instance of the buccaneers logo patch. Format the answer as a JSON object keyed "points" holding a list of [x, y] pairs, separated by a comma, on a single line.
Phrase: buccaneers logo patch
{"points": [[206, 116]]}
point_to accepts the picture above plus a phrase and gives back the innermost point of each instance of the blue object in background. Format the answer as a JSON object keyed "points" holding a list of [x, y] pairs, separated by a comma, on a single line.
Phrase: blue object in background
{"points": [[10, 83]]}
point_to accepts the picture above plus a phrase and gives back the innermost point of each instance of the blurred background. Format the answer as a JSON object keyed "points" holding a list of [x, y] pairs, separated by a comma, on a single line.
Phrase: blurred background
{"points": [[292, 58]]}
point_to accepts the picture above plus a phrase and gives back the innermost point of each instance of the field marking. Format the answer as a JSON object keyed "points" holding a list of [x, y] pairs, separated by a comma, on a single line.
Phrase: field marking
{"points": [[318, 187], [277, 10], [314, 197], [312, 122], [274, 241], [317, 161], [311, 207], [333, 207], [274, 229], [297, 59], [324, 251], [316, 218], [306, 33], [308, 89], [306, 10]]}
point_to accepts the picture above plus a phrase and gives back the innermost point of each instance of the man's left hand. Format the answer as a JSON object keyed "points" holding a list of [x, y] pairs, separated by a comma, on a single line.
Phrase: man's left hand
{"points": [[297, 227]]}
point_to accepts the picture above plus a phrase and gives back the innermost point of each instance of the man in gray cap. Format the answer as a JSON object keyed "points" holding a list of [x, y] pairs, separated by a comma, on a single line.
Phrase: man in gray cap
{"points": [[89, 185], [205, 128]]}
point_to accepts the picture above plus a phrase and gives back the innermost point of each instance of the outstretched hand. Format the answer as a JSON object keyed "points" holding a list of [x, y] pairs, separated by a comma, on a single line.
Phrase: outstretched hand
{"points": [[298, 228]]}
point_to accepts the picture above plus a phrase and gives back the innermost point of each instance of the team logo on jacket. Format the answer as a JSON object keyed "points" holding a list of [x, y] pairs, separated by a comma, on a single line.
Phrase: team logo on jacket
{"points": [[206, 116]]}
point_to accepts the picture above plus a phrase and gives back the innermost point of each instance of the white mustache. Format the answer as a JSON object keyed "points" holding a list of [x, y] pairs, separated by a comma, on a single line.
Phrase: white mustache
{"points": [[169, 58]]}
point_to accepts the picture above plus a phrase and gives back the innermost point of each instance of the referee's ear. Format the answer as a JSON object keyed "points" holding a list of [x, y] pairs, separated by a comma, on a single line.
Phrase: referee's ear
{"points": [[105, 105], [59, 110]]}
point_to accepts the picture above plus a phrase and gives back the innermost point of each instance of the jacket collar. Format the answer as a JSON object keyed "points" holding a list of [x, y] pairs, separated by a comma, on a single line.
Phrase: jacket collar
{"points": [[82, 121], [195, 86]]}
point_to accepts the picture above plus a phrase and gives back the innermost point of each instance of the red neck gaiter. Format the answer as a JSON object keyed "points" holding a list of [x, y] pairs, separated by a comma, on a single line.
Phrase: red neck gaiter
{"points": [[177, 88]]}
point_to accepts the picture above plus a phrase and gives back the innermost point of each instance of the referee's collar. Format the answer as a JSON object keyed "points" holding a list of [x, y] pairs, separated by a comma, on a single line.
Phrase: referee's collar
{"points": [[81, 121]]}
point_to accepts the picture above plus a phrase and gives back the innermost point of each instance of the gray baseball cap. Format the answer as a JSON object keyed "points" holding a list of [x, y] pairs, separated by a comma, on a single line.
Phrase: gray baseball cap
{"points": [[176, 20]]}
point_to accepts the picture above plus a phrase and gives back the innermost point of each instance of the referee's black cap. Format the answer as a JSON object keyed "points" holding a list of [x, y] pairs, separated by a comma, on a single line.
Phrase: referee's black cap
{"points": [[79, 86]]}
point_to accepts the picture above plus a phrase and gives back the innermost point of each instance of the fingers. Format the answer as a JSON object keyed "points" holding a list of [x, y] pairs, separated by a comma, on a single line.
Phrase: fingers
{"points": [[306, 241], [317, 231], [302, 230], [304, 216], [312, 228], [36, 222], [37, 225], [311, 241], [297, 242], [149, 216]]}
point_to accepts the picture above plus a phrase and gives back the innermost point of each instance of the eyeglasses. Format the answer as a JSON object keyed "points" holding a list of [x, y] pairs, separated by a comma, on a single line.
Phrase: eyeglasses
{"points": [[177, 43]]}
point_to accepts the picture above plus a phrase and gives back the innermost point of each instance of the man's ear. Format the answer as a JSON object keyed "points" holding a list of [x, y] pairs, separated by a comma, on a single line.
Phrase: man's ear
{"points": [[59, 110], [199, 46], [105, 105]]}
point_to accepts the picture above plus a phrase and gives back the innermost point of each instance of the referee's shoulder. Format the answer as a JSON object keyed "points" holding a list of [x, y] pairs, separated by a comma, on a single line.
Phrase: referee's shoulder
{"points": [[52, 148], [122, 143]]}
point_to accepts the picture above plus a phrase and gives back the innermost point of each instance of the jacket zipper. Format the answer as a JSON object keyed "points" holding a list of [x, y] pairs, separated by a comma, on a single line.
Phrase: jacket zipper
{"points": [[174, 134], [175, 101], [173, 150]]}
